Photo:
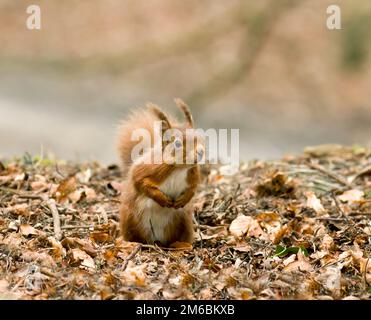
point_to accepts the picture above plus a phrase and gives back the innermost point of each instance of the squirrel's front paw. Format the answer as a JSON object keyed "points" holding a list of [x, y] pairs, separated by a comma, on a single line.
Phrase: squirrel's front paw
{"points": [[180, 202], [165, 202]]}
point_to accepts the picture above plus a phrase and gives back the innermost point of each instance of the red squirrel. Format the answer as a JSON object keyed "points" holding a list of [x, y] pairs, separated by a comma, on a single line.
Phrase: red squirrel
{"points": [[155, 203]]}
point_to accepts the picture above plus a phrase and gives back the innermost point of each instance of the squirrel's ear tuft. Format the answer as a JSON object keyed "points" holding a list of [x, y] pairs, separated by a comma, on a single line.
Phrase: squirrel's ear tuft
{"points": [[160, 114], [187, 112]]}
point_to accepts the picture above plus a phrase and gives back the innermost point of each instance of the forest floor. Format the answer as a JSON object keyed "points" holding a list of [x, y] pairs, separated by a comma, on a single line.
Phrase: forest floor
{"points": [[297, 228]]}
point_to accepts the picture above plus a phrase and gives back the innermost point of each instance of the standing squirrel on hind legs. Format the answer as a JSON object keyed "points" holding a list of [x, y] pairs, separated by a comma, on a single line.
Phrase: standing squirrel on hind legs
{"points": [[156, 194]]}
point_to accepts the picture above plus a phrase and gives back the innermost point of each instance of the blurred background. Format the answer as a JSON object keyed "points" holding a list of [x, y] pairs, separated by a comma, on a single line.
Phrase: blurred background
{"points": [[270, 68]]}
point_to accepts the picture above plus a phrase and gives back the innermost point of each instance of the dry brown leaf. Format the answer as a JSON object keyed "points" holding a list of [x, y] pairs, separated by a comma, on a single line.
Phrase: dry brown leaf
{"points": [[246, 294], [84, 244], [176, 281], [289, 260], [110, 256], [20, 209], [6, 293], [38, 257], [256, 231], [331, 279], [81, 257], [278, 234], [106, 294], [75, 196], [245, 224], [20, 177], [323, 297], [204, 236], [117, 186], [65, 188], [364, 264], [90, 193], [13, 241], [240, 225], [58, 250], [301, 264], [84, 176], [268, 217], [82, 194], [365, 172], [125, 246], [314, 203], [298, 266], [27, 230], [327, 243], [38, 185], [181, 245], [351, 195], [5, 179], [243, 248], [351, 298], [319, 254], [134, 275], [206, 294], [100, 237]]}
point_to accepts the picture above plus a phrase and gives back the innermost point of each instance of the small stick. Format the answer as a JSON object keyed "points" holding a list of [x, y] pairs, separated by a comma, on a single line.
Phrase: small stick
{"points": [[48, 273], [76, 227], [357, 213], [21, 194], [131, 256], [329, 173], [56, 219], [338, 206], [330, 219], [49, 202]]}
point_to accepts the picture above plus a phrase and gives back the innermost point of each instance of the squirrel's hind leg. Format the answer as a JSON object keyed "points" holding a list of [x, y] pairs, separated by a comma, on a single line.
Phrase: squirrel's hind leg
{"points": [[182, 230], [129, 226]]}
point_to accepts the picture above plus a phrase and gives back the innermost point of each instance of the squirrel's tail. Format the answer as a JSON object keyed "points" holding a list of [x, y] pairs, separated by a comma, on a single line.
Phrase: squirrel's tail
{"points": [[145, 119], [139, 119]]}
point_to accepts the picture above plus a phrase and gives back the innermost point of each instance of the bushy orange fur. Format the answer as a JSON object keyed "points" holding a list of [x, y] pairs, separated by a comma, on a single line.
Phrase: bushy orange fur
{"points": [[142, 197], [140, 118]]}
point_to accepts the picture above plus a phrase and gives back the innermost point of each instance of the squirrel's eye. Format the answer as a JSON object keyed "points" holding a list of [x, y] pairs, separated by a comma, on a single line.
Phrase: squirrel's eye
{"points": [[177, 143]]}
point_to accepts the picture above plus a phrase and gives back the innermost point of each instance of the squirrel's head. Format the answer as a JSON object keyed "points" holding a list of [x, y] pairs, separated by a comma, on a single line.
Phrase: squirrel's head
{"points": [[181, 143]]}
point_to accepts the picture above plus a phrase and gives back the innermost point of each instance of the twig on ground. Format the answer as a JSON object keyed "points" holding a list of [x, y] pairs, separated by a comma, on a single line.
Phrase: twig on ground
{"points": [[56, 219], [21, 194], [357, 213], [48, 273], [76, 227], [338, 206], [331, 174], [131, 256], [49, 202], [330, 219]]}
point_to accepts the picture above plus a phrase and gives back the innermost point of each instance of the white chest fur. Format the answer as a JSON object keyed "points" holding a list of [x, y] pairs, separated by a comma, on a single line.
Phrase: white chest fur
{"points": [[156, 218], [175, 184]]}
